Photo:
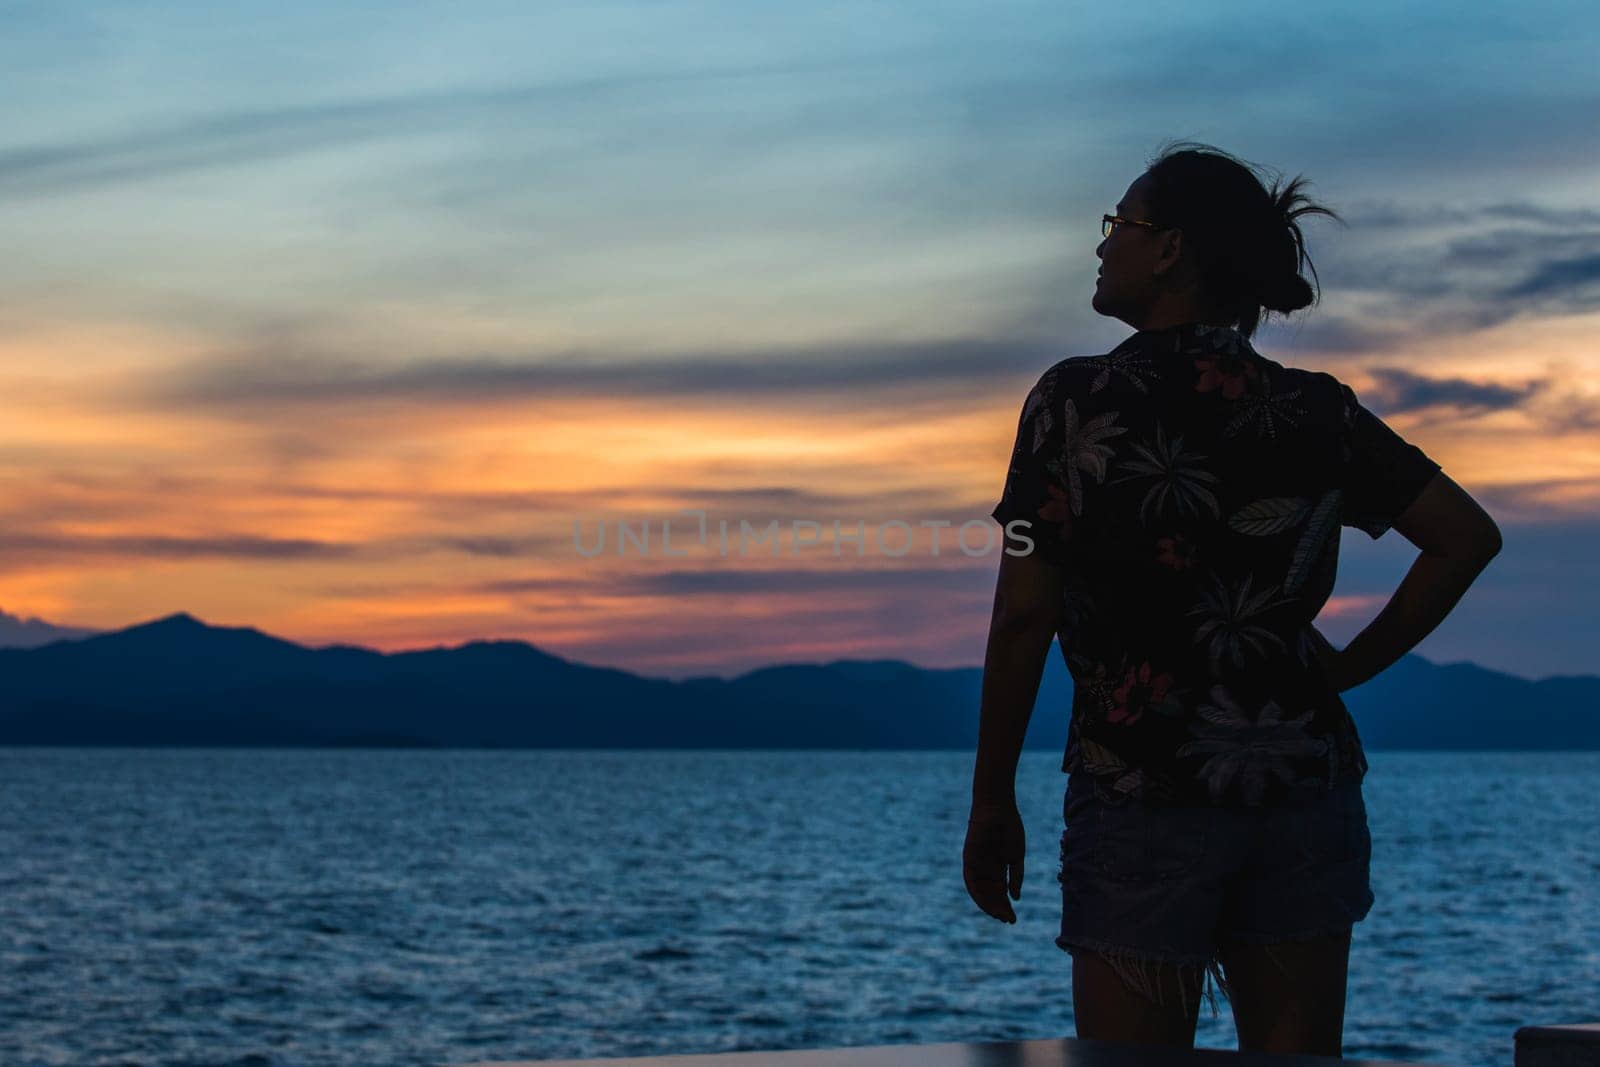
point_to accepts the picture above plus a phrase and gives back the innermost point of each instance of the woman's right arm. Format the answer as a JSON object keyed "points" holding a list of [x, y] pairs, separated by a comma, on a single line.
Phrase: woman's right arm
{"points": [[1457, 539]]}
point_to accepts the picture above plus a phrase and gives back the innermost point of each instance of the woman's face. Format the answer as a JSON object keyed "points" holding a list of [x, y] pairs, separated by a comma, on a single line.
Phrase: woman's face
{"points": [[1127, 284]]}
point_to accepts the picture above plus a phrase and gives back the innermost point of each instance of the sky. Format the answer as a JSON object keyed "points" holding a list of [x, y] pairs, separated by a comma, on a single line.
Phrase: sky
{"points": [[354, 323]]}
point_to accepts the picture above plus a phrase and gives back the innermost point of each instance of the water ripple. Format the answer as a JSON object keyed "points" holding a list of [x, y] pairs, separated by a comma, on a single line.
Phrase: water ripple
{"points": [[167, 907]]}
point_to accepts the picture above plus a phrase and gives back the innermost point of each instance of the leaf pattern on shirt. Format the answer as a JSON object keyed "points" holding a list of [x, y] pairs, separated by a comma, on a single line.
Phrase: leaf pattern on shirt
{"points": [[1323, 523], [1226, 629], [1244, 752], [1043, 423], [1083, 449], [1263, 410], [1269, 515], [1102, 762], [1130, 364], [1179, 478], [1092, 680], [1077, 607], [1219, 338], [1305, 645]]}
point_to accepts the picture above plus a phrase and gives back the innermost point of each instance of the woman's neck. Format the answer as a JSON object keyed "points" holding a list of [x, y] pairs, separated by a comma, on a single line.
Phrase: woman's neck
{"points": [[1177, 310]]}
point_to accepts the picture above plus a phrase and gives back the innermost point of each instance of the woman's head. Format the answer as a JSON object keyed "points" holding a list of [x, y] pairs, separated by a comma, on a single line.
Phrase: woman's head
{"points": [[1221, 247]]}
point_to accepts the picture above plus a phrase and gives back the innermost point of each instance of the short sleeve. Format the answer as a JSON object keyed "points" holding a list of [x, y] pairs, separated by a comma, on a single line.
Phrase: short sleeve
{"points": [[1382, 472], [1032, 493]]}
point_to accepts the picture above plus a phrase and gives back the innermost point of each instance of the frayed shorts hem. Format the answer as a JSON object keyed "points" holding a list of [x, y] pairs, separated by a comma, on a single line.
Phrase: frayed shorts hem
{"points": [[1138, 970], [1136, 967]]}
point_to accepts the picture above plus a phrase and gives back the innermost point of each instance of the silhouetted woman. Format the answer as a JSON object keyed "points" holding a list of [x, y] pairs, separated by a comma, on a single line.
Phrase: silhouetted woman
{"points": [[1173, 510]]}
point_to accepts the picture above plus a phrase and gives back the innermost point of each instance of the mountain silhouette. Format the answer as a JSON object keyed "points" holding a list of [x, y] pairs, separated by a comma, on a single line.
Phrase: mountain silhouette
{"points": [[17, 631], [179, 681]]}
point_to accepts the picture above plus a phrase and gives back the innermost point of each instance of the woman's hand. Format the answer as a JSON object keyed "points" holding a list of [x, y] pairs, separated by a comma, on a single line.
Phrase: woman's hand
{"points": [[991, 859]]}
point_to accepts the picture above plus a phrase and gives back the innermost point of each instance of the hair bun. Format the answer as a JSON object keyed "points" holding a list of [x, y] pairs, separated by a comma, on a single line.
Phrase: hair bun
{"points": [[1286, 293], [1248, 247]]}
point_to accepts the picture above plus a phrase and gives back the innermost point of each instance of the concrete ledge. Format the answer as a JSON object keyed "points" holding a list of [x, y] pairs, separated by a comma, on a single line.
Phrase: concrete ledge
{"points": [[1575, 1045], [1049, 1052]]}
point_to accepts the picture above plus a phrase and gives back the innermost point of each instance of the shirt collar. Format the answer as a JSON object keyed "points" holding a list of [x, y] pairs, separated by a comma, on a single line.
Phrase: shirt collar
{"points": [[1187, 337]]}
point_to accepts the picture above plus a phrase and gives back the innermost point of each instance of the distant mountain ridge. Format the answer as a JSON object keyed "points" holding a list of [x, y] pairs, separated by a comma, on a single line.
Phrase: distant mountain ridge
{"points": [[178, 681], [19, 632]]}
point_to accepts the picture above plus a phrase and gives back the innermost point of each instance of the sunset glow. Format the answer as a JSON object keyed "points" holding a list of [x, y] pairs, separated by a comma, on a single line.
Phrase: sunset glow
{"points": [[343, 348]]}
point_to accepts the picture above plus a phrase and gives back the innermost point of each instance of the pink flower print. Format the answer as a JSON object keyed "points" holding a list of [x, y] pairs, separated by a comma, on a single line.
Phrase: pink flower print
{"points": [[1176, 552], [1231, 373], [1141, 688], [1057, 509]]}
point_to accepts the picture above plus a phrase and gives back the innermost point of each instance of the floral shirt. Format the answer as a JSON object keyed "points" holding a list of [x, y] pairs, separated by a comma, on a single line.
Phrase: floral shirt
{"points": [[1192, 491]]}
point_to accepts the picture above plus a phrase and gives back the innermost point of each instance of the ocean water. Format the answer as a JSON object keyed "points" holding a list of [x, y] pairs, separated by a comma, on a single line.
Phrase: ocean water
{"points": [[166, 906]]}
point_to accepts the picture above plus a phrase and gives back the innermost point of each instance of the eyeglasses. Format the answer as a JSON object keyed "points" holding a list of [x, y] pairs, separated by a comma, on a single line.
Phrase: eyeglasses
{"points": [[1108, 223]]}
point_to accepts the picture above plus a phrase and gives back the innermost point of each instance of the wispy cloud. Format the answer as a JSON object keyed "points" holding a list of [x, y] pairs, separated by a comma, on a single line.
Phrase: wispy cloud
{"points": [[1450, 270], [1401, 391], [44, 545], [832, 575], [1562, 281], [272, 381], [234, 138]]}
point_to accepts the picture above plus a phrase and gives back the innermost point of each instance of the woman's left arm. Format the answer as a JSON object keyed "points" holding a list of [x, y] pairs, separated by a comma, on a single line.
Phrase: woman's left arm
{"points": [[1027, 610]]}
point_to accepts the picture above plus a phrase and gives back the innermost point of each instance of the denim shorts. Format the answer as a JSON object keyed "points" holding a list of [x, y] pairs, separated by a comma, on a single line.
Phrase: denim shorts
{"points": [[1143, 885]]}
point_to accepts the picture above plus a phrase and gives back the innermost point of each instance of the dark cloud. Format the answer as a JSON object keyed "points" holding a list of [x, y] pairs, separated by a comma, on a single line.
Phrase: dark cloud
{"points": [[844, 574], [270, 381], [1376, 215], [1452, 268], [45, 544], [1390, 215], [566, 584], [497, 547], [1561, 218], [1400, 391], [1561, 279]]}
